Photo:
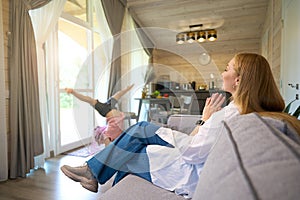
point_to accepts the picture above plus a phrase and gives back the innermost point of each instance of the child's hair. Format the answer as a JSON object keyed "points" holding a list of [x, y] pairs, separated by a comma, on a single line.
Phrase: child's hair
{"points": [[99, 134]]}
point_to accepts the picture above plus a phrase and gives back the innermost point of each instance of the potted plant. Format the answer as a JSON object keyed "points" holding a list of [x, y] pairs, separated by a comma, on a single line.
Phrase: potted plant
{"points": [[148, 77], [296, 113]]}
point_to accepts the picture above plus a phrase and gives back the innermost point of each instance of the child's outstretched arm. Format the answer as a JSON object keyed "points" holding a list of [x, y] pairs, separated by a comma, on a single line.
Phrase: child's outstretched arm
{"points": [[81, 97]]}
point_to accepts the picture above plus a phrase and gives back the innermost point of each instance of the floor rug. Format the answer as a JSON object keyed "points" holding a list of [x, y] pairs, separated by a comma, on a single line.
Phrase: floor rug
{"points": [[85, 151]]}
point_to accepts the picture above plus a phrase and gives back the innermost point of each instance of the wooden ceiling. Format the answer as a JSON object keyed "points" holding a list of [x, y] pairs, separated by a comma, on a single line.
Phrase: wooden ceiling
{"points": [[239, 24]]}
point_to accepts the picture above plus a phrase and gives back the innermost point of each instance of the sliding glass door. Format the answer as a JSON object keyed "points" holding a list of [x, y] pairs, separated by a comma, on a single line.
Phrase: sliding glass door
{"points": [[81, 60], [82, 64], [75, 71]]}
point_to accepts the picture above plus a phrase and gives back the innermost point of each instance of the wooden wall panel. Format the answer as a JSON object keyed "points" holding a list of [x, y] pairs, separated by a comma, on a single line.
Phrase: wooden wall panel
{"points": [[5, 17], [274, 25]]}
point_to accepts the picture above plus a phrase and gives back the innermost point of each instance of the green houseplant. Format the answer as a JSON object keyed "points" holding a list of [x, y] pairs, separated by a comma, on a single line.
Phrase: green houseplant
{"points": [[296, 113], [148, 77]]}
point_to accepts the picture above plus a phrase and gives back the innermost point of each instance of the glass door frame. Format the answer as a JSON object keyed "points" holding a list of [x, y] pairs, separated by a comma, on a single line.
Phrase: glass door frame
{"points": [[90, 91]]}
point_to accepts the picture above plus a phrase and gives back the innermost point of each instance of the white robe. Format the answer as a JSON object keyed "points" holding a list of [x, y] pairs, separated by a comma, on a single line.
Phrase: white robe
{"points": [[178, 169]]}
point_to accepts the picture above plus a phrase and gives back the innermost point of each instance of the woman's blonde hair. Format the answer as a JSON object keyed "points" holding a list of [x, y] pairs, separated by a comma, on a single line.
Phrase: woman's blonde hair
{"points": [[257, 90]]}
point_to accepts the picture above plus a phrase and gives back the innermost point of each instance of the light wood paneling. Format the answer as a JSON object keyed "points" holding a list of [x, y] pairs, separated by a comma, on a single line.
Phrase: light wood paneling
{"points": [[5, 18], [273, 23]]}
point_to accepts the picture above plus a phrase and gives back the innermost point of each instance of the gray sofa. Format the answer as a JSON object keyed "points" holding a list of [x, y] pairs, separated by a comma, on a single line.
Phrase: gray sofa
{"points": [[254, 158]]}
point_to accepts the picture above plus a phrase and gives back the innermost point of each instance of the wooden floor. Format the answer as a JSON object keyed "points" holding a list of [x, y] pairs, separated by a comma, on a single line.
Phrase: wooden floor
{"points": [[48, 183]]}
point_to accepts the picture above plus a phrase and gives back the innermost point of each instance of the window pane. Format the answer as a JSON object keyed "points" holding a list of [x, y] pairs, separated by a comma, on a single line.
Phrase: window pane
{"points": [[75, 71], [76, 8], [74, 67], [95, 22], [75, 119], [101, 74]]}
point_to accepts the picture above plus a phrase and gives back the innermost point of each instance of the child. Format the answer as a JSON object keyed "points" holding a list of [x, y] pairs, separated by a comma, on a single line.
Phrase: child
{"points": [[114, 118]]}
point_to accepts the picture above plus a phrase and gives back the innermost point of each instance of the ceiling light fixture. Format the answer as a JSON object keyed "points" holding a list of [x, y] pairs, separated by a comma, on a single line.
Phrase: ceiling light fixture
{"points": [[190, 37], [180, 38], [212, 35], [200, 35]]}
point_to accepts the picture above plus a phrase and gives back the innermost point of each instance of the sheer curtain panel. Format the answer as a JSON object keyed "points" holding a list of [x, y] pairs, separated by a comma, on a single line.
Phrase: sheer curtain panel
{"points": [[132, 63], [25, 122], [44, 20], [103, 65]]}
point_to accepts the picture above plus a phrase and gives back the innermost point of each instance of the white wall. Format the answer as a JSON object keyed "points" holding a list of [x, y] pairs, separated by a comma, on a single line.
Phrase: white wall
{"points": [[290, 62]]}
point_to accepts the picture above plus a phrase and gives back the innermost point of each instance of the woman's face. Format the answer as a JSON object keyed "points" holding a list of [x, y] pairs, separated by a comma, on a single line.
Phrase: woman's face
{"points": [[230, 77]]}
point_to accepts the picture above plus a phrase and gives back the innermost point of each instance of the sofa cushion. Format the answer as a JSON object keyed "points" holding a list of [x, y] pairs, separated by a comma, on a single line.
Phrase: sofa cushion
{"points": [[252, 159], [136, 188], [183, 123]]}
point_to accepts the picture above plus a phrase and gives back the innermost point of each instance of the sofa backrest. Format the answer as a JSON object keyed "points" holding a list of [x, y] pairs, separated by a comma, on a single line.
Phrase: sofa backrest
{"points": [[252, 159]]}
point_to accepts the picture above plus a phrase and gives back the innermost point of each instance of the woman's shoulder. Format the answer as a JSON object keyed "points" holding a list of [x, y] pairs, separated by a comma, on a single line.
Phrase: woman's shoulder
{"points": [[231, 110]]}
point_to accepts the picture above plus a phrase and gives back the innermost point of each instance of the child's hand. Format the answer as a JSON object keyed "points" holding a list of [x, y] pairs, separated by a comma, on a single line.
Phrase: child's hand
{"points": [[69, 90]]}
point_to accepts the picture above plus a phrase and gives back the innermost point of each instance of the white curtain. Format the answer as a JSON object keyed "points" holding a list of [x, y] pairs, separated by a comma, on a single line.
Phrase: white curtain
{"points": [[102, 62], [127, 43], [104, 31], [44, 21], [3, 129], [134, 62]]}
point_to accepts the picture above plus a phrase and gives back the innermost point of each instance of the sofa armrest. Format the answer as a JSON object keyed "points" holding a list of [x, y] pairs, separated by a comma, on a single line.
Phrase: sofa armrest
{"points": [[133, 187], [183, 123]]}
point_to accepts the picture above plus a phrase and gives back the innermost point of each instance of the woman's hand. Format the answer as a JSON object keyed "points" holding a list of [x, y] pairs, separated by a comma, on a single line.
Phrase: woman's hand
{"points": [[212, 105]]}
